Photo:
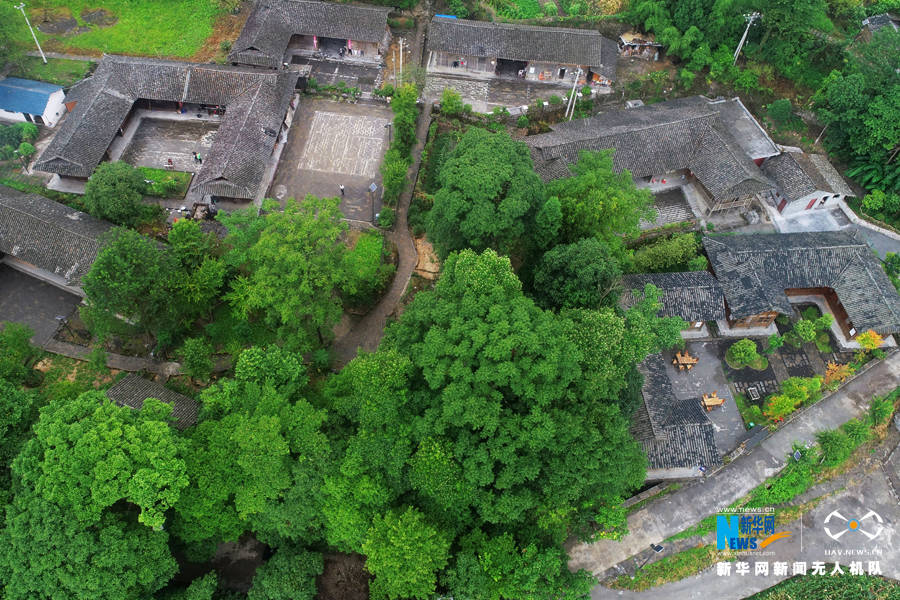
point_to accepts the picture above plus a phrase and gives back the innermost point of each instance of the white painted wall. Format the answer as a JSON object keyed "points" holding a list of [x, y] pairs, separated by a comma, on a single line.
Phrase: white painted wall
{"points": [[799, 206], [11, 116], [56, 108]]}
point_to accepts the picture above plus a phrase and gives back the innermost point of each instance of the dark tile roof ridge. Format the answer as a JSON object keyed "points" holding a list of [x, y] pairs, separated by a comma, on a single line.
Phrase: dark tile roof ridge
{"points": [[518, 26], [4, 200], [865, 265]]}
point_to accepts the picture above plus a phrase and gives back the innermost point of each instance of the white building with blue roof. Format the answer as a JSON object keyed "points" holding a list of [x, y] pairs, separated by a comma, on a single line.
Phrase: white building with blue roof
{"points": [[32, 101]]}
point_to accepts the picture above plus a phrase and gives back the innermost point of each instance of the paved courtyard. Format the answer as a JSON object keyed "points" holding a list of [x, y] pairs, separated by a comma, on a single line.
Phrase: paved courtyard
{"points": [[26, 300], [706, 377], [485, 94], [157, 140], [332, 144]]}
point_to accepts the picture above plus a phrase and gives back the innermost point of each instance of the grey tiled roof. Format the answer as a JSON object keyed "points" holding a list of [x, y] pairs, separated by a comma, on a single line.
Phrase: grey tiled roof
{"points": [[584, 47], [693, 296], [876, 22], [652, 140], [49, 235], [755, 269], [255, 102], [134, 389], [798, 174], [269, 28], [673, 433]]}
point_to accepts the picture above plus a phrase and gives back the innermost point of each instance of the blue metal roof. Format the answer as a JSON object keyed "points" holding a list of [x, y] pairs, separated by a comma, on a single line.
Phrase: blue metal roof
{"points": [[25, 96]]}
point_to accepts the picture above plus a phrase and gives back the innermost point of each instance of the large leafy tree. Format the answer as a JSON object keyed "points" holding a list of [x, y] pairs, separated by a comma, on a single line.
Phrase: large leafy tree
{"points": [[370, 395], [578, 275], [290, 574], [114, 192], [404, 552], [46, 554], [597, 201], [291, 271], [482, 412], [162, 290], [17, 354], [489, 195], [252, 447], [89, 454], [18, 410], [497, 567]]}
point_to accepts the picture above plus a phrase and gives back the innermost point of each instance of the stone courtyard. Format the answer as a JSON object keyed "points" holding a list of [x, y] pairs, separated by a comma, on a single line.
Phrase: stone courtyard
{"points": [[706, 377], [157, 140], [332, 144]]}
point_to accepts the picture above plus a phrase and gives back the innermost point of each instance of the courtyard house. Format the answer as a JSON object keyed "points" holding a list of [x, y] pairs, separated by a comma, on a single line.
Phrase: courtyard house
{"points": [[245, 111], [764, 275], [552, 55], [284, 31], [711, 148], [676, 434], [133, 390]]}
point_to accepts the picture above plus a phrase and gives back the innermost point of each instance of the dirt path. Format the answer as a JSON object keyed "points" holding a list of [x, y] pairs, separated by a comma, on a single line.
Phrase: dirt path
{"points": [[368, 332]]}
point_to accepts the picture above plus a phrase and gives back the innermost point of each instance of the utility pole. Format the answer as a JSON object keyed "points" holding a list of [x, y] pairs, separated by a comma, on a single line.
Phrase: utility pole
{"points": [[750, 19], [401, 58], [571, 106], [21, 7]]}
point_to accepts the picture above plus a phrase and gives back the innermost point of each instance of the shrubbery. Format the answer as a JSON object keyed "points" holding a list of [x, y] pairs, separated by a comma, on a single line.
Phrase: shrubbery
{"points": [[397, 159], [744, 353], [679, 252]]}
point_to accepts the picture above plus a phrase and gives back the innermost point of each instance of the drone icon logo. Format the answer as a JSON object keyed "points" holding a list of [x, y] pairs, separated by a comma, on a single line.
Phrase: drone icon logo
{"points": [[854, 525]]}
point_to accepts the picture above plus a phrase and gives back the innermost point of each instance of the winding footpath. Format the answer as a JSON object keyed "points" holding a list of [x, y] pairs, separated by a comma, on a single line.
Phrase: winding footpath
{"points": [[367, 334]]}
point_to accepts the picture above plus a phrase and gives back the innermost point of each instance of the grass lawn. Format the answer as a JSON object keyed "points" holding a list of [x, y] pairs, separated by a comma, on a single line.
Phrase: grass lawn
{"points": [[671, 568], [175, 28], [166, 184], [857, 587], [57, 71]]}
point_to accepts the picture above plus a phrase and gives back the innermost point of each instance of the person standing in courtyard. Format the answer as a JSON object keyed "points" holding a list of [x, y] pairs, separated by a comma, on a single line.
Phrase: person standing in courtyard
{"points": [[342, 190]]}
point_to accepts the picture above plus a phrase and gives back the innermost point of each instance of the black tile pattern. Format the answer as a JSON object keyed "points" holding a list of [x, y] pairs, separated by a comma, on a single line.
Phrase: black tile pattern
{"points": [[693, 295], [653, 140], [49, 235], [269, 28], [256, 103], [674, 433], [876, 22], [798, 174], [559, 45], [134, 389], [755, 269]]}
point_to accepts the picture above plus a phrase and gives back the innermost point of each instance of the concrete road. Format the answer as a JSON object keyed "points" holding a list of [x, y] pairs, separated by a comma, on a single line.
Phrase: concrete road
{"points": [[678, 510], [808, 542]]}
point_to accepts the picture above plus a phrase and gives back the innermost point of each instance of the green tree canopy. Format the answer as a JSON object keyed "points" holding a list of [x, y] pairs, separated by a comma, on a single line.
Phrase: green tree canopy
{"points": [[290, 574], [17, 354], [292, 271], [89, 454], [252, 449], [404, 552], [114, 192], [489, 195], [596, 201], [578, 275], [45, 554]]}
